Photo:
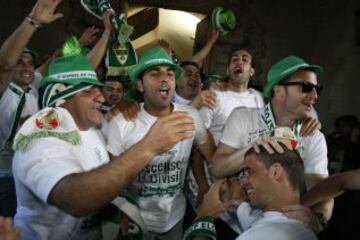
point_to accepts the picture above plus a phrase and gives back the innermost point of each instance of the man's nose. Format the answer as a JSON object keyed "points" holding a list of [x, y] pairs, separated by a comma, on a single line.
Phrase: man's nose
{"points": [[244, 180], [28, 66], [98, 96]]}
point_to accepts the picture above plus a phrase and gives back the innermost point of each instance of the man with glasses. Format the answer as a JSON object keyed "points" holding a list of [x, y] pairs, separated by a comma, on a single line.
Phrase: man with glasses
{"points": [[293, 89]]}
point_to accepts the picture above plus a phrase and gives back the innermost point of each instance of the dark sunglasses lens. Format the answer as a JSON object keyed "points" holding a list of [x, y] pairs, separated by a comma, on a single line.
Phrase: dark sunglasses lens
{"points": [[308, 87]]}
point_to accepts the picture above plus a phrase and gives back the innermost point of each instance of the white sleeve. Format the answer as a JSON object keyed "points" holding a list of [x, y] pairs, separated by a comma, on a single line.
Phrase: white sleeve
{"points": [[200, 130], [234, 133], [247, 215], [114, 137], [315, 154], [207, 115], [41, 167]]}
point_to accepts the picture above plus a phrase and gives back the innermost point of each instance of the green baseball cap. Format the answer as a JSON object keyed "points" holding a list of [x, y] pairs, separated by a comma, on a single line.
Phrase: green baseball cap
{"points": [[223, 19], [285, 68], [67, 76], [154, 57]]}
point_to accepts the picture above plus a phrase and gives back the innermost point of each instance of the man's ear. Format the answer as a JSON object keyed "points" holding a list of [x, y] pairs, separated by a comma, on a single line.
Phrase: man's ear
{"points": [[276, 171], [140, 85], [279, 90], [252, 72]]}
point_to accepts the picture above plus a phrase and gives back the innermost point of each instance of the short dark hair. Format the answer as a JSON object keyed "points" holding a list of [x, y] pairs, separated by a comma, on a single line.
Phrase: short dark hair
{"points": [[192, 63], [290, 160], [243, 47], [123, 79]]}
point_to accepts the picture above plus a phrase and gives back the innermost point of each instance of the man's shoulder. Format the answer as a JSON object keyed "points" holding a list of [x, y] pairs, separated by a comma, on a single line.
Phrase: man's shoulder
{"points": [[246, 111], [8, 94], [48, 123], [256, 92], [119, 119], [281, 228], [317, 135]]}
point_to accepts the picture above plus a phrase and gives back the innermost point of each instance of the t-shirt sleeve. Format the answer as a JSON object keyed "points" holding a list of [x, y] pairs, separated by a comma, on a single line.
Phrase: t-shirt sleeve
{"points": [[247, 215], [44, 165], [234, 134], [200, 130], [315, 154], [206, 115], [114, 139]]}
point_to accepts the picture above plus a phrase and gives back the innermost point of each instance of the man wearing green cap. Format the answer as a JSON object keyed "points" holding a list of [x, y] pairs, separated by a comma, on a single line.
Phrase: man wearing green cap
{"points": [[293, 89], [16, 102], [158, 189], [61, 167]]}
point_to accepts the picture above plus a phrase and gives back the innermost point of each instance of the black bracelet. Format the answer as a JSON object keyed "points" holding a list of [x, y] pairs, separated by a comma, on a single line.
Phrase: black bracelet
{"points": [[32, 22]]}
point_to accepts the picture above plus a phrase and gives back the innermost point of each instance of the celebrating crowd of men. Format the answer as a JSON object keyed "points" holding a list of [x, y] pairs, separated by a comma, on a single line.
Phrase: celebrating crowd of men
{"points": [[63, 162]]}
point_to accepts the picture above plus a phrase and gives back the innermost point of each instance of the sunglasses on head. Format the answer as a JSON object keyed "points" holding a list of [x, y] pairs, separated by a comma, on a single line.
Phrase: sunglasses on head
{"points": [[306, 87]]}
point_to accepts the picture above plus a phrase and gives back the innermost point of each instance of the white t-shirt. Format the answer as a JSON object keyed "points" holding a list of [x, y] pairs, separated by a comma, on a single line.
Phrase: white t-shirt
{"points": [[104, 127], [9, 103], [179, 99], [245, 125], [271, 225], [215, 119], [39, 169], [158, 188], [35, 84]]}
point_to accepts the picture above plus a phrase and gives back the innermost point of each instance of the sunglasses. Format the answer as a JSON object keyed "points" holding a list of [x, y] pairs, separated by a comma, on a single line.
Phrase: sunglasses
{"points": [[306, 87]]}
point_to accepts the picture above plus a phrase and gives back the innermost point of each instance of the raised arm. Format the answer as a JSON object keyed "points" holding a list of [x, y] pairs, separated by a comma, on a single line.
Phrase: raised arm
{"points": [[42, 13], [202, 54], [98, 51]]}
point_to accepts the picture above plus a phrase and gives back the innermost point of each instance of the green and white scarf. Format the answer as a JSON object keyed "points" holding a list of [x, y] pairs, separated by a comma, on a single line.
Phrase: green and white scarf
{"points": [[7, 145], [121, 55], [125, 205], [203, 226], [49, 122], [268, 118]]}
